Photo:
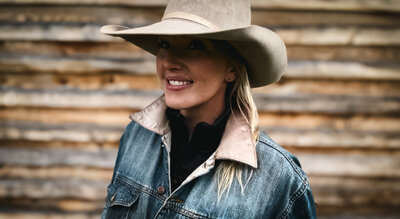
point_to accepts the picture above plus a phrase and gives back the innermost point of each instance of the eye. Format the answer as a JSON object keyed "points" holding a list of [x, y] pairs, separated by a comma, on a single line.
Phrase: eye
{"points": [[196, 44], [164, 44]]}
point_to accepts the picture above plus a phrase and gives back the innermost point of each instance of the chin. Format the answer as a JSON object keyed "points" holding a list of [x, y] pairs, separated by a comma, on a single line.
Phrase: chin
{"points": [[180, 103], [176, 104]]}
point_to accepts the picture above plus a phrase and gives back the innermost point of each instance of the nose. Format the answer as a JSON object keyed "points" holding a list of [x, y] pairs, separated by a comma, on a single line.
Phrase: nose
{"points": [[171, 60]]}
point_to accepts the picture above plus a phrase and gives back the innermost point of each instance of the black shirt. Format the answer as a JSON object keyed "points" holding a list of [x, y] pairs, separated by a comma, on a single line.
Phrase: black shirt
{"points": [[188, 152]]}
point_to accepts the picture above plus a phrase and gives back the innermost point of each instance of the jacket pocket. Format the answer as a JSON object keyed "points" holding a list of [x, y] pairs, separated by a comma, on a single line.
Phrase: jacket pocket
{"points": [[121, 198]]}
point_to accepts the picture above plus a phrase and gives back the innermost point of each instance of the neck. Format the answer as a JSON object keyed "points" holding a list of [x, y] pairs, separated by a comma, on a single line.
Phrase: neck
{"points": [[208, 113]]}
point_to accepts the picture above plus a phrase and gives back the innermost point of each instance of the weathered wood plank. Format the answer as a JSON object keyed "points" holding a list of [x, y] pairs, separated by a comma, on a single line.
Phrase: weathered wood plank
{"points": [[353, 191], [332, 87], [295, 130], [53, 189], [56, 32], [358, 5], [82, 81], [81, 50], [111, 118], [55, 172], [357, 212], [76, 65], [369, 132], [282, 18], [12, 130], [300, 133], [134, 99], [296, 69], [75, 98], [339, 36], [344, 54], [140, 3], [327, 104], [292, 36], [79, 14], [140, 16], [351, 163], [345, 5], [126, 50], [58, 157], [57, 205], [333, 139], [108, 81], [359, 163], [341, 70], [58, 144], [328, 191], [20, 214], [119, 118]]}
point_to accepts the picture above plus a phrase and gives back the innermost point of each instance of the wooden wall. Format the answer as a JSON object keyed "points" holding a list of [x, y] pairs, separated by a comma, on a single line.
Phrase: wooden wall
{"points": [[66, 92]]}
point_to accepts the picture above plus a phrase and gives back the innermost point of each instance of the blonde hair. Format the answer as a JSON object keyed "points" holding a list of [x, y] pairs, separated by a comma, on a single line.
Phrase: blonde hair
{"points": [[240, 100]]}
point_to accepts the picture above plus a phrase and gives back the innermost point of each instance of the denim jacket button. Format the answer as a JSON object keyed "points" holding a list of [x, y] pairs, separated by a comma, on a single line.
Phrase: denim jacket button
{"points": [[160, 190]]}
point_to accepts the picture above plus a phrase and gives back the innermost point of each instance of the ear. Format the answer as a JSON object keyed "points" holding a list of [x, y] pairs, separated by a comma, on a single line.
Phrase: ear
{"points": [[231, 75]]}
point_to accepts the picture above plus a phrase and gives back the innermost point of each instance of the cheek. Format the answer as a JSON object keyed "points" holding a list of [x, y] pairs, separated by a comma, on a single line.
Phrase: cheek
{"points": [[159, 68], [211, 73]]}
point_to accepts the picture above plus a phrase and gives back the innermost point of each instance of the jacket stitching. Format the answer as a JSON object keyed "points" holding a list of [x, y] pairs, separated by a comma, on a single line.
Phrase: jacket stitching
{"points": [[140, 187], [293, 199], [183, 211]]}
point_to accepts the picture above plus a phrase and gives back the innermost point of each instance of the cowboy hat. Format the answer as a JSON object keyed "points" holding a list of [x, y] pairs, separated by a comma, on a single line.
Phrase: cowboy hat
{"points": [[263, 51]]}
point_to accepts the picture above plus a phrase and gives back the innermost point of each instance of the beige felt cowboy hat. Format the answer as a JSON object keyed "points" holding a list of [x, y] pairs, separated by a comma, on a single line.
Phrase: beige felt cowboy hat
{"points": [[229, 20]]}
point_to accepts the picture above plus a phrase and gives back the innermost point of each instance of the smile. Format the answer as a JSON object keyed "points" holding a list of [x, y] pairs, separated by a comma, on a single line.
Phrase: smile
{"points": [[176, 85], [179, 83]]}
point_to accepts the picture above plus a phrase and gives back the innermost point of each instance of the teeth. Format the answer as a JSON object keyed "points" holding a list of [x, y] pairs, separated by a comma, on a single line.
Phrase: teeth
{"points": [[179, 83]]}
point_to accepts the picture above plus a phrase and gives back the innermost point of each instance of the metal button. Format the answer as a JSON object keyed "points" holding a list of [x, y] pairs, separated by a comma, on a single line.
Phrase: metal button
{"points": [[160, 190]]}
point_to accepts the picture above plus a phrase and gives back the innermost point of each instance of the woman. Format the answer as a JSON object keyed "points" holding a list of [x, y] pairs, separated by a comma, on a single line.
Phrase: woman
{"points": [[196, 152]]}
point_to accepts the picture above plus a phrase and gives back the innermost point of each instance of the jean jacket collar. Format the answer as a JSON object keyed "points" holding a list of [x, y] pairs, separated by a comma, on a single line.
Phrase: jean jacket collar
{"points": [[237, 142]]}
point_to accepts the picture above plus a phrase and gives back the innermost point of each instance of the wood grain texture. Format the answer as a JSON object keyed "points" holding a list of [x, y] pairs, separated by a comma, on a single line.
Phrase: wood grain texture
{"points": [[65, 205], [58, 157], [140, 16], [346, 5], [133, 99], [55, 172], [146, 67], [46, 214], [125, 50], [291, 36], [66, 91]]}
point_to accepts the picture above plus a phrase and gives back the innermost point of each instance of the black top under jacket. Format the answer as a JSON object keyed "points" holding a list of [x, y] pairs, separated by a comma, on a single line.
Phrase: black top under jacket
{"points": [[190, 151]]}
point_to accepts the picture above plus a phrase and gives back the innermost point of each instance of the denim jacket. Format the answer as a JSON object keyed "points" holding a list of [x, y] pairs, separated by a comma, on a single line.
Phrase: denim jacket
{"points": [[274, 184]]}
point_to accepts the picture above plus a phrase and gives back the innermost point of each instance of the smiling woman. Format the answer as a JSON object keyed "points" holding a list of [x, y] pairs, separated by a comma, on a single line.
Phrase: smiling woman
{"points": [[196, 152], [194, 75]]}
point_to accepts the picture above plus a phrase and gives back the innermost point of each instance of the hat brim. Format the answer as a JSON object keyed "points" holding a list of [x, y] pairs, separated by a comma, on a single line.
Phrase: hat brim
{"points": [[262, 49]]}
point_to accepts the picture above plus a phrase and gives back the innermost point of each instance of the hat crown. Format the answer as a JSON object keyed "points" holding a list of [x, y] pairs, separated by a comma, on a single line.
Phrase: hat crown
{"points": [[216, 14]]}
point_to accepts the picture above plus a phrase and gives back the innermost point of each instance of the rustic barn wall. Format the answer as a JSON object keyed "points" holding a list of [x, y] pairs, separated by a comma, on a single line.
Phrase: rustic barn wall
{"points": [[66, 92]]}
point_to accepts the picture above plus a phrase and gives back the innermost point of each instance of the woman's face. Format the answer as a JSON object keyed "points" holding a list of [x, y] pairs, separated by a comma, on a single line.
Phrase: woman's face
{"points": [[193, 72]]}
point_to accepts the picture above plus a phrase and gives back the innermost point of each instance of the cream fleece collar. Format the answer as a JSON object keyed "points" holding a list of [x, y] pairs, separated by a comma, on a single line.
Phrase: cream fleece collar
{"points": [[237, 142]]}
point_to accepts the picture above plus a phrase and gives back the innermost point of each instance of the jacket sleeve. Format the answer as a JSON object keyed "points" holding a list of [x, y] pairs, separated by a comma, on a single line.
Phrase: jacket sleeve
{"points": [[304, 206], [118, 159]]}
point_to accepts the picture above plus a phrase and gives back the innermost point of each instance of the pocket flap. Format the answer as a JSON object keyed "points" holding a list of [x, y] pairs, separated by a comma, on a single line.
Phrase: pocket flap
{"points": [[120, 193]]}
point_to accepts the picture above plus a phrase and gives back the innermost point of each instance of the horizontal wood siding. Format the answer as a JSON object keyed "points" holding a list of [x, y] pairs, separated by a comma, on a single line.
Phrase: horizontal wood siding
{"points": [[66, 92]]}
